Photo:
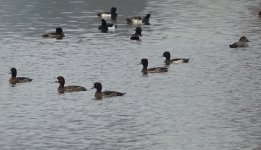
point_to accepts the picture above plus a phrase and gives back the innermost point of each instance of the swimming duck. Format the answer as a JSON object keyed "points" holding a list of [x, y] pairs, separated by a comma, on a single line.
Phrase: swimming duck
{"points": [[259, 14], [137, 35], [175, 60], [105, 27], [72, 88], [14, 79], [243, 42], [145, 68], [58, 34], [139, 20], [99, 94], [112, 14]]}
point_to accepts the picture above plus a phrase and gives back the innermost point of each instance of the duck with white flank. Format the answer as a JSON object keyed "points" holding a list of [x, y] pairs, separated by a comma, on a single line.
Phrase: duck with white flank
{"points": [[146, 70], [105, 27], [168, 61], [106, 15], [139, 20], [58, 34]]}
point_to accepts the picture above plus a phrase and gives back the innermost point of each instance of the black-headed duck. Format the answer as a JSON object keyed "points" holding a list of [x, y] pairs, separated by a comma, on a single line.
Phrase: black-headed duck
{"points": [[242, 42], [105, 27], [168, 61], [14, 79], [71, 88], [58, 34], [146, 70], [137, 35], [99, 94], [112, 14], [139, 20]]}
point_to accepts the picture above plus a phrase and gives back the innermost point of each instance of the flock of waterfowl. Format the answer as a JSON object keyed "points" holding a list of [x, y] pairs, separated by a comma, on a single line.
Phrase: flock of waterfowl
{"points": [[105, 27]]}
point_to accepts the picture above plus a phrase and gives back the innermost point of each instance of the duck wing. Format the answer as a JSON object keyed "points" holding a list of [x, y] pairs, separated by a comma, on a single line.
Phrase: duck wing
{"points": [[23, 79], [157, 69], [72, 88], [112, 93]]}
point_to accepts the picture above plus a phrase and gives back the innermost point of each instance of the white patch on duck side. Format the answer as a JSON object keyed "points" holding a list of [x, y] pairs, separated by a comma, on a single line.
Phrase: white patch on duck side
{"points": [[178, 61], [136, 21], [113, 28], [105, 16]]}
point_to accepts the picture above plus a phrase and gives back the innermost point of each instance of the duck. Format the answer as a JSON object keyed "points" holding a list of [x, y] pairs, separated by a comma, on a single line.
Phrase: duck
{"points": [[139, 20], [112, 14], [58, 34], [242, 42], [137, 35], [146, 70], [105, 27], [71, 88], [99, 94], [259, 14], [14, 79], [168, 61]]}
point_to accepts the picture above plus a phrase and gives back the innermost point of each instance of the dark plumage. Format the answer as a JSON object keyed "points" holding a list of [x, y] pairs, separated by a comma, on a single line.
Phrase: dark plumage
{"points": [[99, 94], [175, 60], [145, 68], [14, 79], [137, 35], [138, 20], [112, 14], [72, 88], [58, 34], [105, 27]]}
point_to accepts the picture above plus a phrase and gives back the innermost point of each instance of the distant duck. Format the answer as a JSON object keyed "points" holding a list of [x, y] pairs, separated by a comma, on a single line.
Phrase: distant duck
{"points": [[243, 42], [137, 35], [14, 79], [105, 27], [99, 94], [146, 70], [139, 20], [58, 34], [106, 15], [259, 14], [72, 88], [168, 61]]}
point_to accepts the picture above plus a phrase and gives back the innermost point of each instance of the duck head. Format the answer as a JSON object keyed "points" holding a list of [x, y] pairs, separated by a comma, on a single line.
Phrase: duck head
{"points": [[138, 30], [98, 86], [243, 39], [113, 10], [13, 72], [59, 30]]}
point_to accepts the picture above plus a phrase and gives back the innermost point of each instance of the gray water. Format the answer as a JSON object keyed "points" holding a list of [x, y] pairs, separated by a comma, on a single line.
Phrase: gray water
{"points": [[211, 103]]}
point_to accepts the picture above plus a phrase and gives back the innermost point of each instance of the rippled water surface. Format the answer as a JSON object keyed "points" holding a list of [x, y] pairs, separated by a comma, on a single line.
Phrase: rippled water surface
{"points": [[211, 103]]}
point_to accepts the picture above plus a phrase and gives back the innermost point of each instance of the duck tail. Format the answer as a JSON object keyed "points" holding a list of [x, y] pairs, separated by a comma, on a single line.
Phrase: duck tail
{"points": [[233, 46]]}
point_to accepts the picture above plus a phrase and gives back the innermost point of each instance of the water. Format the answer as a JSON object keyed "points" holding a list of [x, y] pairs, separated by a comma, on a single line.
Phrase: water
{"points": [[213, 102]]}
